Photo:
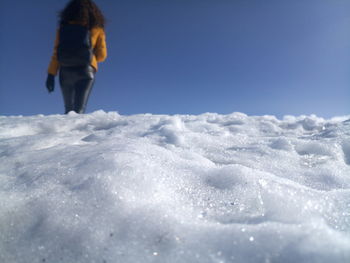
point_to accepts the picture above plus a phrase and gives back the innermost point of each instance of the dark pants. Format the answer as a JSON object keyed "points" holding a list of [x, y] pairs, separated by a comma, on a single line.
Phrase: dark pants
{"points": [[76, 84]]}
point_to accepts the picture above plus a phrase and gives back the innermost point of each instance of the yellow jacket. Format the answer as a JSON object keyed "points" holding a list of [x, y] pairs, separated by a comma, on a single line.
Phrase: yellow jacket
{"points": [[98, 42]]}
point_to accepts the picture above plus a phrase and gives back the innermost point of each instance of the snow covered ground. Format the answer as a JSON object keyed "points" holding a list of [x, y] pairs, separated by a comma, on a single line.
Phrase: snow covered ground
{"points": [[216, 188]]}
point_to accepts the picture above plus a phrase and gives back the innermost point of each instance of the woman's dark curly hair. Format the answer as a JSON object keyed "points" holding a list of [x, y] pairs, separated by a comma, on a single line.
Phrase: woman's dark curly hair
{"points": [[84, 12]]}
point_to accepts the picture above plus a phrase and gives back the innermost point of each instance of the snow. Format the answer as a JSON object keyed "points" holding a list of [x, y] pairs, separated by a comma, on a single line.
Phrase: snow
{"points": [[103, 187]]}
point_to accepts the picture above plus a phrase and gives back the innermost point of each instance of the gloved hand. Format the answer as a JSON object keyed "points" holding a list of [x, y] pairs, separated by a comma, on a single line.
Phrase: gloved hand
{"points": [[50, 83]]}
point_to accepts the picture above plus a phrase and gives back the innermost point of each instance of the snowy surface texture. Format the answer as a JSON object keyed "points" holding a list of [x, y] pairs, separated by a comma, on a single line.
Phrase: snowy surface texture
{"points": [[216, 188]]}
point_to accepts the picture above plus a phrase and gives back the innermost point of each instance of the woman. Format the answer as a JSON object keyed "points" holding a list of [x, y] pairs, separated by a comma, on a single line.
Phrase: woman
{"points": [[79, 20]]}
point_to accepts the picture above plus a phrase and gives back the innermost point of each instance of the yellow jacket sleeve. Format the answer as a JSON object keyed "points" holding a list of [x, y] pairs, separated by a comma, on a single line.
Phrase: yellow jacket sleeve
{"points": [[100, 49], [53, 67]]}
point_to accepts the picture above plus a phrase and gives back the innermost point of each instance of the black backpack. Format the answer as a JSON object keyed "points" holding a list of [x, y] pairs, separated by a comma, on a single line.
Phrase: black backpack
{"points": [[74, 47]]}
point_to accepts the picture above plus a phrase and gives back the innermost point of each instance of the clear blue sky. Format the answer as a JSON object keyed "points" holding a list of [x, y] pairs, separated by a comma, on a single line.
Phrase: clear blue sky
{"points": [[190, 56]]}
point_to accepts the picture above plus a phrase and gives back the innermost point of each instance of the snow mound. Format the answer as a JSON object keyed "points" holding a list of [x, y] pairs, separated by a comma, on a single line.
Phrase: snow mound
{"points": [[107, 188]]}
